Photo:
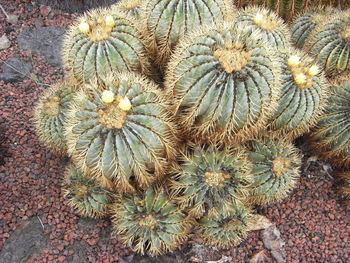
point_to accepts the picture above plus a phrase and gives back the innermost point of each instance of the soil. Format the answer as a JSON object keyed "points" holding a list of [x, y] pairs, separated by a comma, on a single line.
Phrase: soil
{"points": [[37, 225]]}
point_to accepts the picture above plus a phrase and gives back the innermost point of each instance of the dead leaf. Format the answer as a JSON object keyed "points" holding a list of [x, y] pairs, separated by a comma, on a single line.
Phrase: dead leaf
{"points": [[259, 222], [260, 257]]}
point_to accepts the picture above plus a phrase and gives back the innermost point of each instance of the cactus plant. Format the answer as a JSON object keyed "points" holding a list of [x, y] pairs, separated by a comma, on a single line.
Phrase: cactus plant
{"points": [[131, 7], [275, 168], [167, 21], [303, 95], [331, 137], [85, 195], [225, 84], [267, 23], [150, 221], [104, 41], [50, 115], [121, 130], [225, 230], [211, 180], [329, 42], [306, 22]]}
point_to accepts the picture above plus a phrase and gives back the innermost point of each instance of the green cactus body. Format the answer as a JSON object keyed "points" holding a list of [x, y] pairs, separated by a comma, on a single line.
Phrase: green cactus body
{"points": [[167, 21], [104, 41], [150, 222], [85, 195], [303, 95], [211, 180], [331, 137], [225, 84], [275, 168], [50, 115], [120, 130], [305, 23], [224, 231], [270, 27], [131, 7], [330, 43]]}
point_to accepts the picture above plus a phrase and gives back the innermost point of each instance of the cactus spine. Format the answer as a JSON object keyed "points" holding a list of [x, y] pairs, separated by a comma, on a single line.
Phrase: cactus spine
{"points": [[104, 41], [225, 84], [50, 115], [125, 134], [150, 221]]}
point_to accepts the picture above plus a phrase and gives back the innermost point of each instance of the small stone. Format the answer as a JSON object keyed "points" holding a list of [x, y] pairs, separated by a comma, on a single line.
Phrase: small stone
{"points": [[45, 10], [12, 19], [4, 42]]}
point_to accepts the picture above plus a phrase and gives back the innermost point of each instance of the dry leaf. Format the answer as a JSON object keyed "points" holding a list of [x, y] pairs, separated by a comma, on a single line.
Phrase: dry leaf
{"points": [[260, 257], [259, 222]]}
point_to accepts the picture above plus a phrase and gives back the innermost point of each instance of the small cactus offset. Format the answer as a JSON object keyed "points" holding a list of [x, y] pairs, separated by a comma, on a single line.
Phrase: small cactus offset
{"points": [[50, 115], [275, 169], [305, 23], [225, 84], [120, 130], [131, 7], [265, 22], [85, 195], [150, 221], [104, 41], [225, 230], [331, 137], [211, 180], [303, 95], [329, 42], [167, 21]]}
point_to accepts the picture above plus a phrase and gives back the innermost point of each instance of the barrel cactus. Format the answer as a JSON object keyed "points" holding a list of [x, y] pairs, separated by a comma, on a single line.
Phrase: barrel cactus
{"points": [[120, 130], [104, 41], [275, 168], [331, 137], [305, 23], [267, 24], [85, 195], [131, 7], [330, 43], [211, 180], [225, 84], [303, 95], [225, 230], [150, 221], [167, 21], [50, 115]]}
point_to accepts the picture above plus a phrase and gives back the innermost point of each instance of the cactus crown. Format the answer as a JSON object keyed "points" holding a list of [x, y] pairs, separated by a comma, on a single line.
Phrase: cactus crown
{"points": [[97, 27], [131, 4], [52, 106]]}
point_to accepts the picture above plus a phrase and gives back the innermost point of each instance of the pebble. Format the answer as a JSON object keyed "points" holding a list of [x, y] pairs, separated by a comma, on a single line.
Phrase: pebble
{"points": [[4, 42]]}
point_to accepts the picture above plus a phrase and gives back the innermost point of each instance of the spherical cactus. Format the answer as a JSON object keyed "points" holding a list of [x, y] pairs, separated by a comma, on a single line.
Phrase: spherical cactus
{"points": [[150, 221], [104, 41], [211, 180], [331, 137], [305, 23], [330, 43], [275, 168], [270, 27], [50, 114], [225, 84], [225, 230], [121, 130], [303, 95], [167, 21], [131, 7], [85, 195]]}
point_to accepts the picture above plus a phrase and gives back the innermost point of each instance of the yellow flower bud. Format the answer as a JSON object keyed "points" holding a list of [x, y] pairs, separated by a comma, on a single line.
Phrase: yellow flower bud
{"points": [[125, 104], [258, 19], [293, 61], [107, 96], [300, 79], [313, 70], [84, 27], [109, 20]]}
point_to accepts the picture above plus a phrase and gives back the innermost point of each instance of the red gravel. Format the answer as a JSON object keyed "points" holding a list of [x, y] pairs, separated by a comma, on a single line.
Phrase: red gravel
{"points": [[312, 222]]}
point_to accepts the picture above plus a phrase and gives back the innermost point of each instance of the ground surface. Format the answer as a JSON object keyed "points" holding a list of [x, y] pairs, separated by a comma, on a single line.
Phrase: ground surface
{"points": [[36, 225]]}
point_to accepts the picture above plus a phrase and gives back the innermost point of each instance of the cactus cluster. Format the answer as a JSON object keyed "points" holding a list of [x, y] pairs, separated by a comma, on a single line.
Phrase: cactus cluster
{"points": [[179, 116]]}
